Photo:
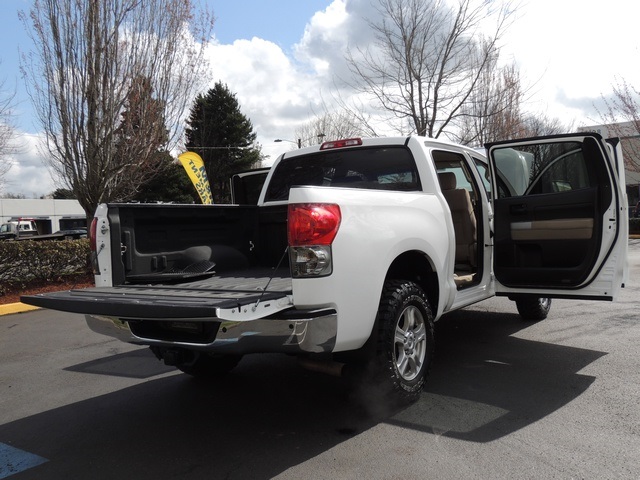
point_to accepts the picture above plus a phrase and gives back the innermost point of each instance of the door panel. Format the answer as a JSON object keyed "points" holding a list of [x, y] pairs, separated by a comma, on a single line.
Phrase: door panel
{"points": [[546, 239]]}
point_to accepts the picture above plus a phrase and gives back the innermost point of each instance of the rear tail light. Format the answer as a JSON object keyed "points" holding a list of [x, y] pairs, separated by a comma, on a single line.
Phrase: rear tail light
{"points": [[313, 223], [312, 229], [93, 255], [92, 234]]}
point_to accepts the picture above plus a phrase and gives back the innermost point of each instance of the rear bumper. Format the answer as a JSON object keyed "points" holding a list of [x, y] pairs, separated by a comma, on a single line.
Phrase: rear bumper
{"points": [[290, 331]]}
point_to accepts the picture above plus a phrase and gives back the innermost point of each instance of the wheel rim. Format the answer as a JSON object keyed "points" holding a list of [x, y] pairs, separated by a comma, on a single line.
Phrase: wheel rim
{"points": [[544, 302], [410, 343]]}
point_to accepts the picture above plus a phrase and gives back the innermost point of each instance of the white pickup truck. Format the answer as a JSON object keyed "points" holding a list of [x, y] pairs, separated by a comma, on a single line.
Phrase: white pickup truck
{"points": [[15, 229], [355, 248], [27, 229]]}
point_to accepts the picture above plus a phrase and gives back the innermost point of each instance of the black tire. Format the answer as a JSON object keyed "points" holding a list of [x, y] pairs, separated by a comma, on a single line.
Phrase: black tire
{"points": [[210, 366], [533, 309], [405, 341]]}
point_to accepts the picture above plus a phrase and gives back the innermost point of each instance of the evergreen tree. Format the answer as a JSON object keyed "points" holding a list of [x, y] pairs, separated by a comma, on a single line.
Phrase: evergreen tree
{"points": [[142, 134], [223, 136], [139, 140], [170, 185]]}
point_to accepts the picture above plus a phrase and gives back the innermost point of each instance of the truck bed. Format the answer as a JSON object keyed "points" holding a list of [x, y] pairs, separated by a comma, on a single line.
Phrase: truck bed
{"points": [[189, 300]]}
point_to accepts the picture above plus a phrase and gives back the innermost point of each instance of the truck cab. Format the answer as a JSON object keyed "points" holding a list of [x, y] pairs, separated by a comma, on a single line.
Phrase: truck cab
{"points": [[18, 228]]}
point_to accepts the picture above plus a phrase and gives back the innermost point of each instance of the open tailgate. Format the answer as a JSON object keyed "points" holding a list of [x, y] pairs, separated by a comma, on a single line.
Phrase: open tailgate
{"points": [[220, 298]]}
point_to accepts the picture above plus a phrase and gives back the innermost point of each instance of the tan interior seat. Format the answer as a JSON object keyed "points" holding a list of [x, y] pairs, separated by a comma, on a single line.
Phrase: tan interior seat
{"points": [[464, 219]]}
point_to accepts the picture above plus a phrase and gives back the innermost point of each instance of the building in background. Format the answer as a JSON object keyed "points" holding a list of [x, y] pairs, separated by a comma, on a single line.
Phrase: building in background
{"points": [[50, 215], [629, 137]]}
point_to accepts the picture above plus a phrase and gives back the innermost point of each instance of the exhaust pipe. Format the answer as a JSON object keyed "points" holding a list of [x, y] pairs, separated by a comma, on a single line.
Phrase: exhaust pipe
{"points": [[328, 367]]}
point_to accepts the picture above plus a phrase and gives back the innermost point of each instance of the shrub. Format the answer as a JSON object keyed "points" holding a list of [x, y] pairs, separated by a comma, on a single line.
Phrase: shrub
{"points": [[27, 260], [634, 225]]}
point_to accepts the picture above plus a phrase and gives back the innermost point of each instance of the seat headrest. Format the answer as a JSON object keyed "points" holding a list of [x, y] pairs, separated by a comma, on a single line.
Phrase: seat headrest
{"points": [[447, 180]]}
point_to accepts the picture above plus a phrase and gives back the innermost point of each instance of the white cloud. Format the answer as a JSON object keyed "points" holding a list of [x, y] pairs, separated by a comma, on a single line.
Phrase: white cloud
{"points": [[276, 91], [571, 52], [28, 174], [271, 90], [280, 92], [325, 40]]}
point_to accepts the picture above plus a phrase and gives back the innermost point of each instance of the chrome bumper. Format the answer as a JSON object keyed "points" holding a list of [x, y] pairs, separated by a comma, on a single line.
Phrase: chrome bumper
{"points": [[291, 331]]}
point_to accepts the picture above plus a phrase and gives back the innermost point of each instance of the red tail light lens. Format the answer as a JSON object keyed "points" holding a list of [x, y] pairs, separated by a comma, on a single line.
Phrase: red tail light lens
{"points": [[313, 223], [92, 234]]}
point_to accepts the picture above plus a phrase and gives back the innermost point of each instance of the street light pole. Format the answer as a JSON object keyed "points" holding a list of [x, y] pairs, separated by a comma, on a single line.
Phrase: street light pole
{"points": [[299, 141]]}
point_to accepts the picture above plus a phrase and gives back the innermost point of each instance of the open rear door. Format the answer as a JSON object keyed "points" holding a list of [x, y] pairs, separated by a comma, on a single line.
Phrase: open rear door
{"points": [[561, 220], [247, 186]]}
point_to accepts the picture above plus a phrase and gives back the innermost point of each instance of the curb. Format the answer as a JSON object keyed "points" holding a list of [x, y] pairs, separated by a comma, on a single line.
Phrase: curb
{"points": [[19, 307]]}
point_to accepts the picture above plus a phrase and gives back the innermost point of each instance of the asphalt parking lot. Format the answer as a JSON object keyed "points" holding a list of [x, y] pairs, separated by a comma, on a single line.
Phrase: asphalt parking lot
{"points": [[505, 399]]}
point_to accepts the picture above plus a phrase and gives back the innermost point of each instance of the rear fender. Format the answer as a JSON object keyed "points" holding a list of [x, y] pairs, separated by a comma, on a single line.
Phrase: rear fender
{"points": [[377, 228]]}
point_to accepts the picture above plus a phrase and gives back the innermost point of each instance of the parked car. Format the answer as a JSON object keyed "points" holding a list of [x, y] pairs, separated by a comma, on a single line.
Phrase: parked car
{"points": [[72, 233]]}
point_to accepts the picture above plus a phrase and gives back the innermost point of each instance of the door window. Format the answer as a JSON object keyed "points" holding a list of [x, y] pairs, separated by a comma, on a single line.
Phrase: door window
{"points": [[545, 168], [455, 163]]}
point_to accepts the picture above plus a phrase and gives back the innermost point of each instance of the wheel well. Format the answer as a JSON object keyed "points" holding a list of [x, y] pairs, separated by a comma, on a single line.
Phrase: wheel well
{"points": [[417, 267]]}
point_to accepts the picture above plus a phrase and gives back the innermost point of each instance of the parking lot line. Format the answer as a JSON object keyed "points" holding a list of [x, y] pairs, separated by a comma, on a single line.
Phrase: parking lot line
{"points": [[13, 460]]}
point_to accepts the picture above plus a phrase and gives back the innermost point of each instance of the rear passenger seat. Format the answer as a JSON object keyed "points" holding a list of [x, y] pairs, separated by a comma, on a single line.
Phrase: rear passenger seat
{"points": [[464, 221]]}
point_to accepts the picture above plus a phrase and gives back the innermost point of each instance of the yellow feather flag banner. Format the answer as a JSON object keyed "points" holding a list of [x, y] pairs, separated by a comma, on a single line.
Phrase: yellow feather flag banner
{"points": [[194, 165]]}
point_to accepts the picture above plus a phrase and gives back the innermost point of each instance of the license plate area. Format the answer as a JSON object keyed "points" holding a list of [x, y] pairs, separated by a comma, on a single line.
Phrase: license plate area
{"points": [[176, 331]]}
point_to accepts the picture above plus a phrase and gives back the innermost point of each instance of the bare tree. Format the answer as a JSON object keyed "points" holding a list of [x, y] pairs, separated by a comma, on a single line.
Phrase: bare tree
{"points": [[89, 55], [7, 131], [352, 114], [493, 111], [538, 125], [622, 119], [428, 58], [330, 126]]}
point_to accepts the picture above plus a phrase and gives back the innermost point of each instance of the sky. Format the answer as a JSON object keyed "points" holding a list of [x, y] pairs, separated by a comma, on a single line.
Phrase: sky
{"points": [[281, 59]]}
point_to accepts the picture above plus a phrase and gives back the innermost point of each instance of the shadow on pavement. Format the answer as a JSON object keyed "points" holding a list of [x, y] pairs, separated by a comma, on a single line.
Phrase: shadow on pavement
{"points": [[139, 363], [487, 383], [266, 417], [270, 415]]}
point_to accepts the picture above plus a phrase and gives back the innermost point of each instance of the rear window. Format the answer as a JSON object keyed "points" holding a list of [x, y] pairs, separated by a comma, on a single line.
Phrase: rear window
{"points": [[374, 168]]}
